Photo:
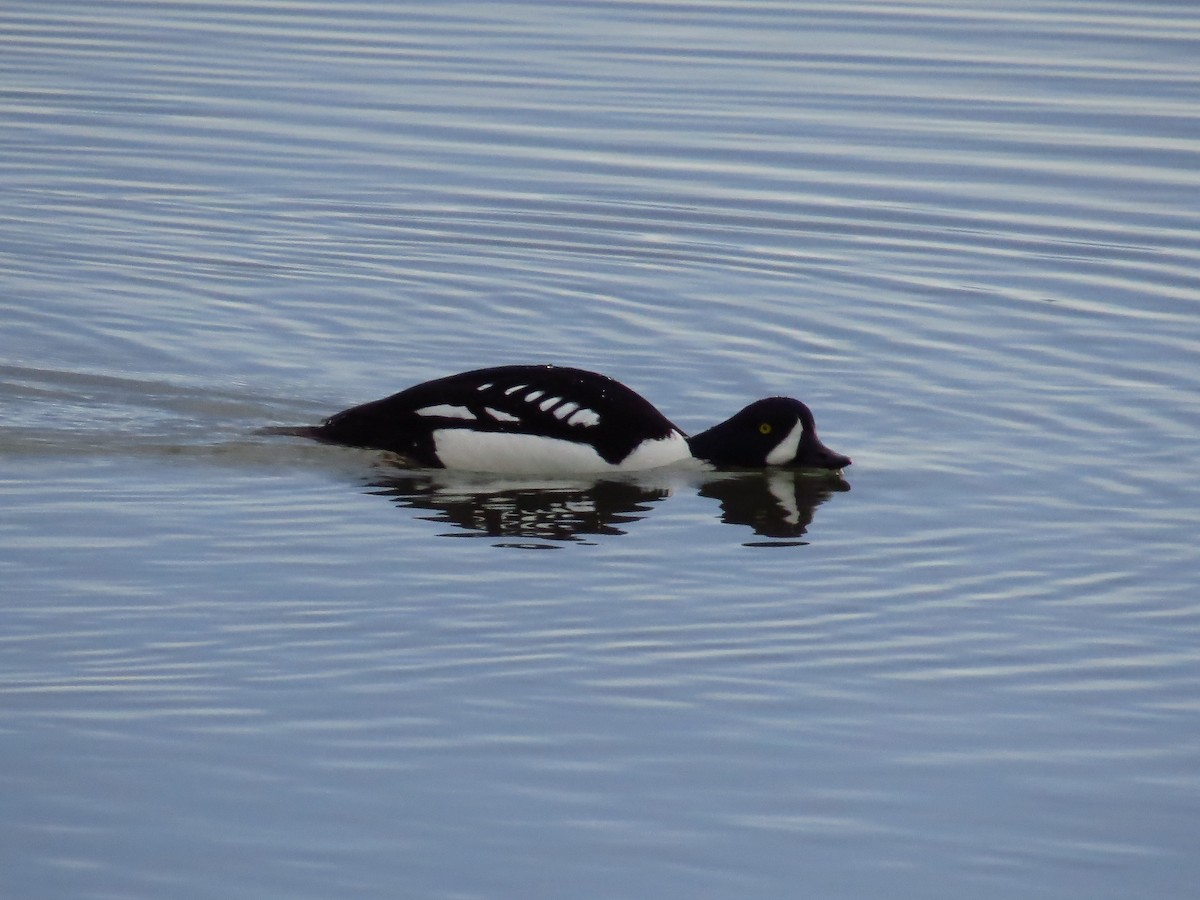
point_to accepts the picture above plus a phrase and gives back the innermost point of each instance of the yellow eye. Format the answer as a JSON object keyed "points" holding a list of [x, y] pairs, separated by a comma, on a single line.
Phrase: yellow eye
{"points": [[764, 428]]}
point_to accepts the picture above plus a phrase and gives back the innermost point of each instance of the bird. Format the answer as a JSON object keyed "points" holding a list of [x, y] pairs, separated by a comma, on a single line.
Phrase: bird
{"points": [[546, 419]]}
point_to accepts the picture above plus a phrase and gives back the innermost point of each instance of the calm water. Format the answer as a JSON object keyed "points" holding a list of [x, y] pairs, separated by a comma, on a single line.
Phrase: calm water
{"points": [[242, 667]]}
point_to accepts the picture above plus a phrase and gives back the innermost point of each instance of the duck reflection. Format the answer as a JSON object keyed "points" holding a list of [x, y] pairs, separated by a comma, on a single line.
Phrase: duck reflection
{"points": [[778, 504], [549, 510]]}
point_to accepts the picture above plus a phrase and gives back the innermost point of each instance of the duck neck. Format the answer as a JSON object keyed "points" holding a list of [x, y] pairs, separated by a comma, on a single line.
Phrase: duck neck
{"points": [[709, 446]]}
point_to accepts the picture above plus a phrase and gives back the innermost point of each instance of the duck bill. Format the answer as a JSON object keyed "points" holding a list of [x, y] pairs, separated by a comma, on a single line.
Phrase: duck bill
{"points": [[812, 454]]}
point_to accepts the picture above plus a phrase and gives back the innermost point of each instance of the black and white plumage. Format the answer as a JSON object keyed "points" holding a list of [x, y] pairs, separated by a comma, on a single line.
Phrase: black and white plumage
{"points": [[552, 419]]}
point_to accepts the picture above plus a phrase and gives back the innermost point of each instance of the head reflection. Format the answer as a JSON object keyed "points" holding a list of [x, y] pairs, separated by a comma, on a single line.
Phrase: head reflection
{"points": [[777, 504]]}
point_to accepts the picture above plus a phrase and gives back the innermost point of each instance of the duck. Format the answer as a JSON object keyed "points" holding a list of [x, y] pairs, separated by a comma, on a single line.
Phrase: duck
{"points": [[547, 419]]}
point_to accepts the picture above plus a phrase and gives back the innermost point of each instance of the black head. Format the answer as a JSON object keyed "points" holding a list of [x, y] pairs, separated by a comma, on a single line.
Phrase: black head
{"points": [[778, 431]]}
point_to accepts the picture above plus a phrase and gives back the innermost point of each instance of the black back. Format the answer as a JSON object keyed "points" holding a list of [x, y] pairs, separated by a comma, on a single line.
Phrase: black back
{"points": [[513, 399]]}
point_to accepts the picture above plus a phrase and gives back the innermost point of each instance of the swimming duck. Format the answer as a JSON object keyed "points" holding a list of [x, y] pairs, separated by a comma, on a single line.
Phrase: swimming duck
{"points": [[555, 419]]}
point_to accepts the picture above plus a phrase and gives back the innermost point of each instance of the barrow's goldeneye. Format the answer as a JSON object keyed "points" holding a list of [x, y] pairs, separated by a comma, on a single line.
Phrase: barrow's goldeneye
{"points": [[553, 419]]}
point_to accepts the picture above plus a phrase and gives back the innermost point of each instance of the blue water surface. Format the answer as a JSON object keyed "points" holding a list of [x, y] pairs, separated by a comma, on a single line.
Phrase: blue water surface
{"points": [[242, 666]]}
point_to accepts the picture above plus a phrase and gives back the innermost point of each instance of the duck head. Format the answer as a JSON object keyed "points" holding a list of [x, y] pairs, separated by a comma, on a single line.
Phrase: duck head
{"points": [[777, 431]]}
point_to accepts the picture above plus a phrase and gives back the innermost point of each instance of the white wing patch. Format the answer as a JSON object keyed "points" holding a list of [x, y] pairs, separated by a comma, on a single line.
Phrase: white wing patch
{"points": [[484, 387], [514, 389], [533, 395], [446, 411], [585, 417], [566, 409], [500, 415], [546, 404]]}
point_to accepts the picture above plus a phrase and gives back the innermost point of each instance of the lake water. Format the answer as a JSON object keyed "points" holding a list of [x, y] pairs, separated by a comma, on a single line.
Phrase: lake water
{"points": [[237, 666]]}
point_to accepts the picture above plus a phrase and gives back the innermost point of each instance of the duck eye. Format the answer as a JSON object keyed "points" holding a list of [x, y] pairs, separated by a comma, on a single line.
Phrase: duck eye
{"points": [[764, 428]]}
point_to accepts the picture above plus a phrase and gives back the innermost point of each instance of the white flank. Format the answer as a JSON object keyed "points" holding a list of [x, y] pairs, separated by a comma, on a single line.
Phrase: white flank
{"points": [[500, 415], [584, 417], [662, 452], [446, 411], [462, 448], [785, 450]]}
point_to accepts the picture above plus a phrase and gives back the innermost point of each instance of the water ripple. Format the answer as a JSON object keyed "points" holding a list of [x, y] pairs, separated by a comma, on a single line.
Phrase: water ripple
{"points": [[966, 236]]}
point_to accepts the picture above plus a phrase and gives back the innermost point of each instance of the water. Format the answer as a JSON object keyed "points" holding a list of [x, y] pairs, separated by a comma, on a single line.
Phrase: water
{"points": [[241, 666]]}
